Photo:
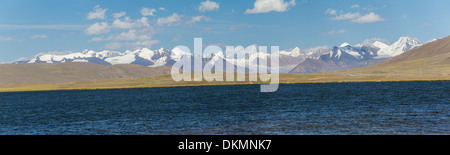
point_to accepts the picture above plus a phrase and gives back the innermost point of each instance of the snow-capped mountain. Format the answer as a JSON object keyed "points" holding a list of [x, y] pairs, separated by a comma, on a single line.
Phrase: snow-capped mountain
{"points": [[348, 52], [402, 45], [345, 44], [347, 56], [379, 45], [145, 57], [154, 58], [339, 57], [312, 53]]}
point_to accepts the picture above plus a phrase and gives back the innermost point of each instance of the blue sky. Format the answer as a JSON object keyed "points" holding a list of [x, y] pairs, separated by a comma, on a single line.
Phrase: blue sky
{"points": [[29, 27]]}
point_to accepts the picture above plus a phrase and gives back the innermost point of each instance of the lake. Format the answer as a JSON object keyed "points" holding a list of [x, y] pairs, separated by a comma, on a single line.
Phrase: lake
{"points": [[298, 109]]}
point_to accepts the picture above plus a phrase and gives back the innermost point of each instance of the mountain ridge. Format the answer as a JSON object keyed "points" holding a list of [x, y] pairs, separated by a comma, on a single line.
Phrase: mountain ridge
{"points": [[347, 56], [430, 62], [340, 57]]}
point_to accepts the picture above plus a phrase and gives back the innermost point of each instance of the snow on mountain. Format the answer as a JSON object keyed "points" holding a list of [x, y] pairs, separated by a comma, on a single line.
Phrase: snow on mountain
{"points": [[345, 44], [347, 50], [154, 58], [376, 49], [296, 52], [178, 53], [316, 52], [380, 45], [102, 54], [343, 56], [346, 56], [123, 59], [402, 45], [54, 58], [143, 56]]}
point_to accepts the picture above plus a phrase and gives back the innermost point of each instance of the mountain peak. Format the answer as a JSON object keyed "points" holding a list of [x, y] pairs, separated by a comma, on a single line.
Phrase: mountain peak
{"points": [[402, 45], [437, 51], [405, 38], [345, 44], [379, 44], [409, 40]]}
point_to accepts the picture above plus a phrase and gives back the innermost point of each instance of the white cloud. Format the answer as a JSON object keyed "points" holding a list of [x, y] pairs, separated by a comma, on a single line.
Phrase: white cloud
{"points": [[131, 35], [356, 6], [39, 36], [334, 32], [197, 19], [128, 24], [162, 9], [138, 33], [265, 6], [126, 32], [358, 18], [142, 44], [122, 24], [97, 28], [131, 39], [369, 18], [331, 12], [132, 45], [346, 16], [208, 6], [96, 39], [6, 38], [97, 13], [148, 12], [120, 14], [171, 20], [142, 22]]}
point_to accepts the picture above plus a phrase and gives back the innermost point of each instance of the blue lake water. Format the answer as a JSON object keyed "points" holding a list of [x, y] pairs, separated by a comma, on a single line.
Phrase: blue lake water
{"points": [[332, 108]]}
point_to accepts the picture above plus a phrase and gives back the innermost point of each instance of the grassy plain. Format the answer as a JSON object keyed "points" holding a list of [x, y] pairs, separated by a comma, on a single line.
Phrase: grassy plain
{"points": [[166, 81]]}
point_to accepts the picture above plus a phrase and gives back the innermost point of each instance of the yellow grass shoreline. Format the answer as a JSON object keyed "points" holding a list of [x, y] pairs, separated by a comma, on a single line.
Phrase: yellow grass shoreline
{"points": [[165, 81]]}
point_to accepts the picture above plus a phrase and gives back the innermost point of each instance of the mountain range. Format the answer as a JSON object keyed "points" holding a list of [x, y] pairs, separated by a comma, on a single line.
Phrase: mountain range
{"points": [[296, 60], [427, 62], [430, 61], [347, 56]]}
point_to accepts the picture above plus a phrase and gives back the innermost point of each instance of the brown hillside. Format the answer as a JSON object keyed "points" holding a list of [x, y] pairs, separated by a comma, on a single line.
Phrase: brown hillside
{"points": [[430, 59], [73, 72], [439, 47]]}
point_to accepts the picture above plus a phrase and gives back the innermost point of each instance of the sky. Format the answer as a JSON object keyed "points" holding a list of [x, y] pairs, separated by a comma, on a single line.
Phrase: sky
{"points": [[29, 27]]}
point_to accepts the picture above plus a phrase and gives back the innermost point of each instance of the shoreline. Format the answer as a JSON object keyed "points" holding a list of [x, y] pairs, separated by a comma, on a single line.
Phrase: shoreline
{"points": [[59, 86]]}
